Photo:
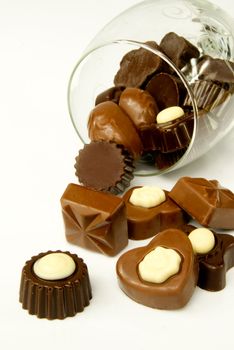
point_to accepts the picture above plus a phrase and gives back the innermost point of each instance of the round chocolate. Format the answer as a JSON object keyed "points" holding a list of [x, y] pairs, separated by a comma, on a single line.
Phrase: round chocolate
{"points": [[104, 166], [55, 299], [165, 90]]}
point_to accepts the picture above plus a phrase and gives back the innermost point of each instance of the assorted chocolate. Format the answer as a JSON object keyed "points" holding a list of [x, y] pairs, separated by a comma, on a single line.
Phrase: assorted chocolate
{"points": [[145, 222], [94, 220], [104, 166], [174, 292], [55, 285], [178, 49], [214, 263], [166, 89], [145, 86], [206, 201], [147, 115], [108, 122], [137, 66]]}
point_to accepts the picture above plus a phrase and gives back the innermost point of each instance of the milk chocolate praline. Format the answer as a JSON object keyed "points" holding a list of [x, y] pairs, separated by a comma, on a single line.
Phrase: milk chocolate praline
{"points": [[206, 201], [94, 220], [176, 291], [108, 122], [55, 299], [147, 222], [139, 105]]}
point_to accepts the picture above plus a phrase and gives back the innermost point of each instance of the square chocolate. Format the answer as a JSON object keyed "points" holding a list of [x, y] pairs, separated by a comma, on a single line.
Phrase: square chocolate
{"points": [[206, 201], [94, 220]]}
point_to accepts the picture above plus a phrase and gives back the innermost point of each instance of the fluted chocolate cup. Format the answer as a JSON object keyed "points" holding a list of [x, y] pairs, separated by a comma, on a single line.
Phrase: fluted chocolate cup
{"points": [[55, 299]]}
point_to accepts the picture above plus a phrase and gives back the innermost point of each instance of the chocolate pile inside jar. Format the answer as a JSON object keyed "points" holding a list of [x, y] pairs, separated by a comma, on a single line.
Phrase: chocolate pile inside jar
{"points": [[148, 109]]}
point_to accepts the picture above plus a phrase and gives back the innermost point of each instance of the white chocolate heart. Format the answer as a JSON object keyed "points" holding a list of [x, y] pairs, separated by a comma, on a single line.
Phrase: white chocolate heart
{"points": [[147, 196], [54, 266], [169, 114], [160, 264], [202, 240]]}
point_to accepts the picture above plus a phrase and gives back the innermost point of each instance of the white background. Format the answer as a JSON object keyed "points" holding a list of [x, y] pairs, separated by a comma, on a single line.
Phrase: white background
{"points": [[41, 41]]}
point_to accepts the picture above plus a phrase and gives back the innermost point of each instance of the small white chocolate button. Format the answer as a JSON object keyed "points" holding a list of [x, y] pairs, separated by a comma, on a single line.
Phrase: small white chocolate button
{"points": [[202, 240], [147, 196], [54, 266], [160, 264], [169, 114]]}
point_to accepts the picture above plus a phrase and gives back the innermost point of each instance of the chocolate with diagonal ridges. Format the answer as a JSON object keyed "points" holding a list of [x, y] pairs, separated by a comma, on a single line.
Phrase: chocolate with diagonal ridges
{"points": [[104, 166], [137, 66], [94, 220], [206, 201]]}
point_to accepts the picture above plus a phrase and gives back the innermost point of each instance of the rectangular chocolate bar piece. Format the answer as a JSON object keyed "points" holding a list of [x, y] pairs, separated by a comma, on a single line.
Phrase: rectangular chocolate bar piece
{"points": [[94, 220], [206, 201]]}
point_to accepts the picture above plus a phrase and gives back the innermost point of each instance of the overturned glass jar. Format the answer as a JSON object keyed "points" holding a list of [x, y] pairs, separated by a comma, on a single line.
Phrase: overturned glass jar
{"points": [[166, 66]]}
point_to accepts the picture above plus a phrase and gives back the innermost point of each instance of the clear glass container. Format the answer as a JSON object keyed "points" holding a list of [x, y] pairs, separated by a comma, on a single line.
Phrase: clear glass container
{"points": [[206, 26]]}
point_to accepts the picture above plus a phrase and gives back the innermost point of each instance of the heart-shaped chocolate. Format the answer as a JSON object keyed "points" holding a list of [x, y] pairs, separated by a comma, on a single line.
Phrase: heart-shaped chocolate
{"points": [[174, 292]]}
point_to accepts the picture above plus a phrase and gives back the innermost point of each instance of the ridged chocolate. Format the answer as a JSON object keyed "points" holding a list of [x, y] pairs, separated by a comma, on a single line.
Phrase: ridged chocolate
{"points": [[207, 94], [94, 220], [150, 137], [166, 160], [104, 166], [55, 299], [206, 201], [176, 134]]}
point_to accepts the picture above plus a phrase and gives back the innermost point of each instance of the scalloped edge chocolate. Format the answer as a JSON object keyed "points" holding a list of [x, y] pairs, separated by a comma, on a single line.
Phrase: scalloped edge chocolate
{"points": [[55, 299]]}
